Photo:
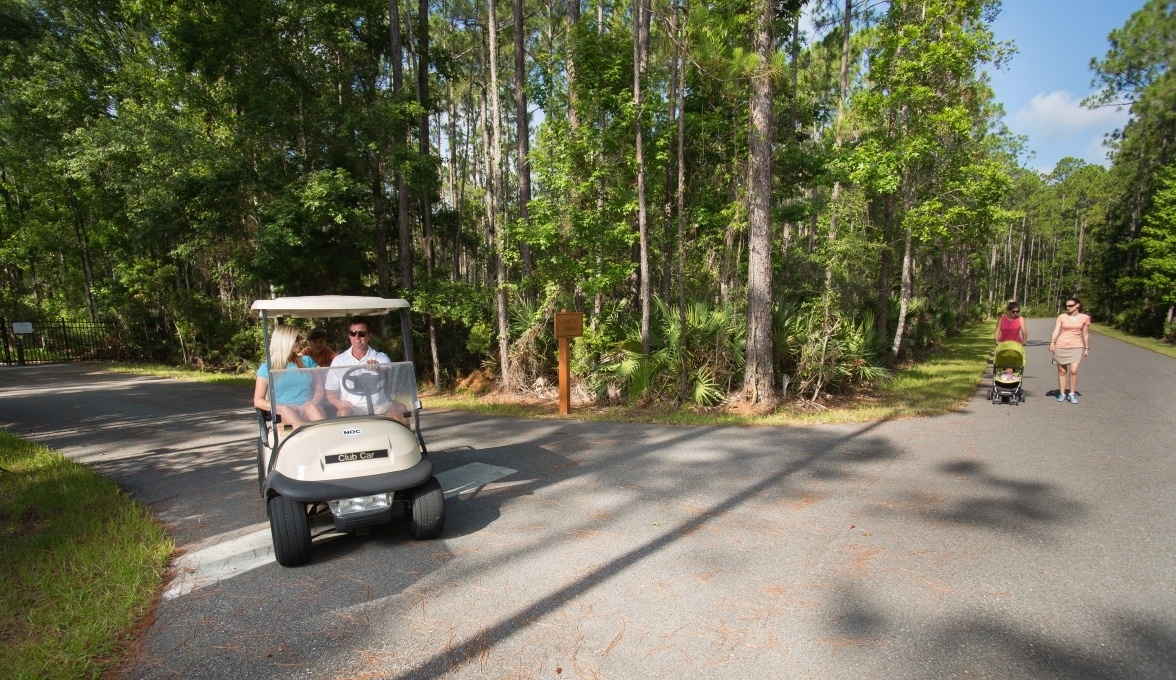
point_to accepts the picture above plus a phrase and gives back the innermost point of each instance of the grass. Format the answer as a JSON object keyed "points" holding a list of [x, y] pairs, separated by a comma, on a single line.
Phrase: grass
{"points": [[940, 383], [1165, 348], [80, 566], [179, 373]]}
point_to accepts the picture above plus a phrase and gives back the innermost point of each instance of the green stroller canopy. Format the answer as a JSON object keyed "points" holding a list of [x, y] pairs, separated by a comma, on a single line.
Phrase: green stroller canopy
{"points": [[1009, 353]]}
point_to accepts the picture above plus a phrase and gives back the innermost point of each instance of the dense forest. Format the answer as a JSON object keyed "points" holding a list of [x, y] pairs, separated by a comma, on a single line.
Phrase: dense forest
{"points": [[747, 198]]}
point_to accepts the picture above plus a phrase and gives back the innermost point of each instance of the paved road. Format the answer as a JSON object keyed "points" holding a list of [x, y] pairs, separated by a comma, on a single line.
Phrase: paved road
{"points": [[1034, 541]]}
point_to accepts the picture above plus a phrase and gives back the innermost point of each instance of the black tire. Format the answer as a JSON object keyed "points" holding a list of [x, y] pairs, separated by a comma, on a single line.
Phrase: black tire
{"points": [[290, 529], [426, 510]]}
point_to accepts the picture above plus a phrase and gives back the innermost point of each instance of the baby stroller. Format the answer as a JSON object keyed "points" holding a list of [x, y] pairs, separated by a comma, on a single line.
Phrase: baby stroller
{"points": [[1006, 386]]}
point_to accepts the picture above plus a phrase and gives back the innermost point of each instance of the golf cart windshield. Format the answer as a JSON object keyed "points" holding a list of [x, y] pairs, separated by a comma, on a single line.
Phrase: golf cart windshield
{"points": [[307, 394]]}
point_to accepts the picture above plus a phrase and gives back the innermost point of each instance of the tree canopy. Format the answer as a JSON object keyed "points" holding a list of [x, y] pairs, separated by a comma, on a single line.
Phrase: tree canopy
{"points": [[738, 205]]}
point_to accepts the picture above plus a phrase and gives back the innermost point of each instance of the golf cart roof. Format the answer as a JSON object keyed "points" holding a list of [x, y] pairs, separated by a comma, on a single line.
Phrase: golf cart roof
{"points": [[325, 306]]}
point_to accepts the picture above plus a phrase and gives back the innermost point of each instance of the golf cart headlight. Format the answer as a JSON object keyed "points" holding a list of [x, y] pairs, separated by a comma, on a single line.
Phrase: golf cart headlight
{"points": [[347, 506]]}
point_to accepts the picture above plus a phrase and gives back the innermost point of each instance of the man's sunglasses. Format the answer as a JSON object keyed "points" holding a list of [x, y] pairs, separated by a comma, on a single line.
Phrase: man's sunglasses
{"points": [[358, 334]]}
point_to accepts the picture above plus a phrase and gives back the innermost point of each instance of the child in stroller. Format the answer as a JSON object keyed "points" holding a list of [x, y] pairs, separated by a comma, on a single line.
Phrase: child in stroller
{"points": [[1007, 367]]}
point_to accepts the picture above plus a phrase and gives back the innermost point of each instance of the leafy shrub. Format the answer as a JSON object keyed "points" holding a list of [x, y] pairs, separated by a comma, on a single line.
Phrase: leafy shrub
{"points": [[710, 349], [817, 348]]}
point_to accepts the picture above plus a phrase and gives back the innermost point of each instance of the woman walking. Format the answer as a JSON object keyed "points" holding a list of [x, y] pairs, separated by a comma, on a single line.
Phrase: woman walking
{"points": [[1011, 325], [1070, 344]]}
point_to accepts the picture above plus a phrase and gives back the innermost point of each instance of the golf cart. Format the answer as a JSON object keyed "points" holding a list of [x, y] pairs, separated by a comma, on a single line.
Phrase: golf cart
{"points": [[350, 471]]}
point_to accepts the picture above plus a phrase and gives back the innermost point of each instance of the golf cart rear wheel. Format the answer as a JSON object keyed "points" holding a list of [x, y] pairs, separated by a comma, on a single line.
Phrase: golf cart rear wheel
{"points": [[290, 529], [426, 510]]}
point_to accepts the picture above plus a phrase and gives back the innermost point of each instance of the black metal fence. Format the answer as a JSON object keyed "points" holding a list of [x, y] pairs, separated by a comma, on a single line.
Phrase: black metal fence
{"points": [[41, 342]]}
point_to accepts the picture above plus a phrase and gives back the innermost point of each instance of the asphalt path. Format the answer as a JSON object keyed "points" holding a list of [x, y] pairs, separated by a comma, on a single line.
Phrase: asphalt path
{"points": [[999, 541]]}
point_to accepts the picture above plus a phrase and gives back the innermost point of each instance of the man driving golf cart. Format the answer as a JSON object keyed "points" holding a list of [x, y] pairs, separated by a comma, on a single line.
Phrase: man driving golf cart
{"points": [[346, 401]]}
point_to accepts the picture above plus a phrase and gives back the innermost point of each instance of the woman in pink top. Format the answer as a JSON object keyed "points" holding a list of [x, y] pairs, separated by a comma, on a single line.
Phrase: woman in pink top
{"points": [[1011, 325], [1070, 344]]}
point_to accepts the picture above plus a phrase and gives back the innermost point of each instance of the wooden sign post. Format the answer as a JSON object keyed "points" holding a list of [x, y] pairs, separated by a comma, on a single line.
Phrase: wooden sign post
{"points": [[568, 325]]}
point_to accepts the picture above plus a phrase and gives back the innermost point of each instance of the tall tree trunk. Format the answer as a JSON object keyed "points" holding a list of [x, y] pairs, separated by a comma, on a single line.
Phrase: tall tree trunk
{"points": [[1028, 271], [83, 240], [1081, 250], [904, 299], [882, 314], [380, 208], [598, 299], [680, 98], [969, 287], [402, 220], [1020, 257], [457, 196], [423, 98], [728, 264], [839, 137], [992, 281], [573, 100], [491, 208], [496, 183], [907, 189], [640, 59], [758, 378], [523, 133], [668, 202]]}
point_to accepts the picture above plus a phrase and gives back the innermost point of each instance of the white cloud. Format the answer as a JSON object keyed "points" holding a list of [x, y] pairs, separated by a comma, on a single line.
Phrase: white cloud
{"points": [[1060, 115], [1096, 152]]}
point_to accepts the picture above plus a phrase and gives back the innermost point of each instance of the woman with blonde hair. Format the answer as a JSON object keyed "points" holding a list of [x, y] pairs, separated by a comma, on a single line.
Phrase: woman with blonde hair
{"points": [[297, 393]]}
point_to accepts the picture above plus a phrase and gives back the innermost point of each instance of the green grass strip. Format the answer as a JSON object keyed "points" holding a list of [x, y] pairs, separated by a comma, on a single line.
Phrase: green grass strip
{"points": [[1165, 348], [180, 373], [80, 565], [941, 382]]}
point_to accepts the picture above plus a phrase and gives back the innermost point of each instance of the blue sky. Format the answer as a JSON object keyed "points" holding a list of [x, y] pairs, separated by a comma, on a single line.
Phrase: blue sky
{"points": [[1043, 85]]}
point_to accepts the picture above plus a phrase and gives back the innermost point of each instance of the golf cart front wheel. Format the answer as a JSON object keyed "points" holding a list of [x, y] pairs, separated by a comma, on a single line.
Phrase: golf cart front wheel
{"points": [[426, 510], [290, 529]]}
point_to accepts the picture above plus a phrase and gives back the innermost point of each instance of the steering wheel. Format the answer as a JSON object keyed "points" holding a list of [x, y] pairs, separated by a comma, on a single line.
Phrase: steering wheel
{"points": [[364, 380]]}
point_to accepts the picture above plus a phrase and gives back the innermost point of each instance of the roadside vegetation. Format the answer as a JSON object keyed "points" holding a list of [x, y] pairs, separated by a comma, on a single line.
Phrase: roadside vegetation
{"points": [[80, 566], [941, 382], [183, 373], [1166, 347]]}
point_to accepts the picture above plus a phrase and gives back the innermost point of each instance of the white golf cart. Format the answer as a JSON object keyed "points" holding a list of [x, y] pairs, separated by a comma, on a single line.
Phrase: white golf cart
{"points": [[344, 472]]}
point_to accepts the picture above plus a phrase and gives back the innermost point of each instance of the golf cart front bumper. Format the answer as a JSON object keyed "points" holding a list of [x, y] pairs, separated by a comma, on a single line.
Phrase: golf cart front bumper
{"points": [[352, 487]]}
